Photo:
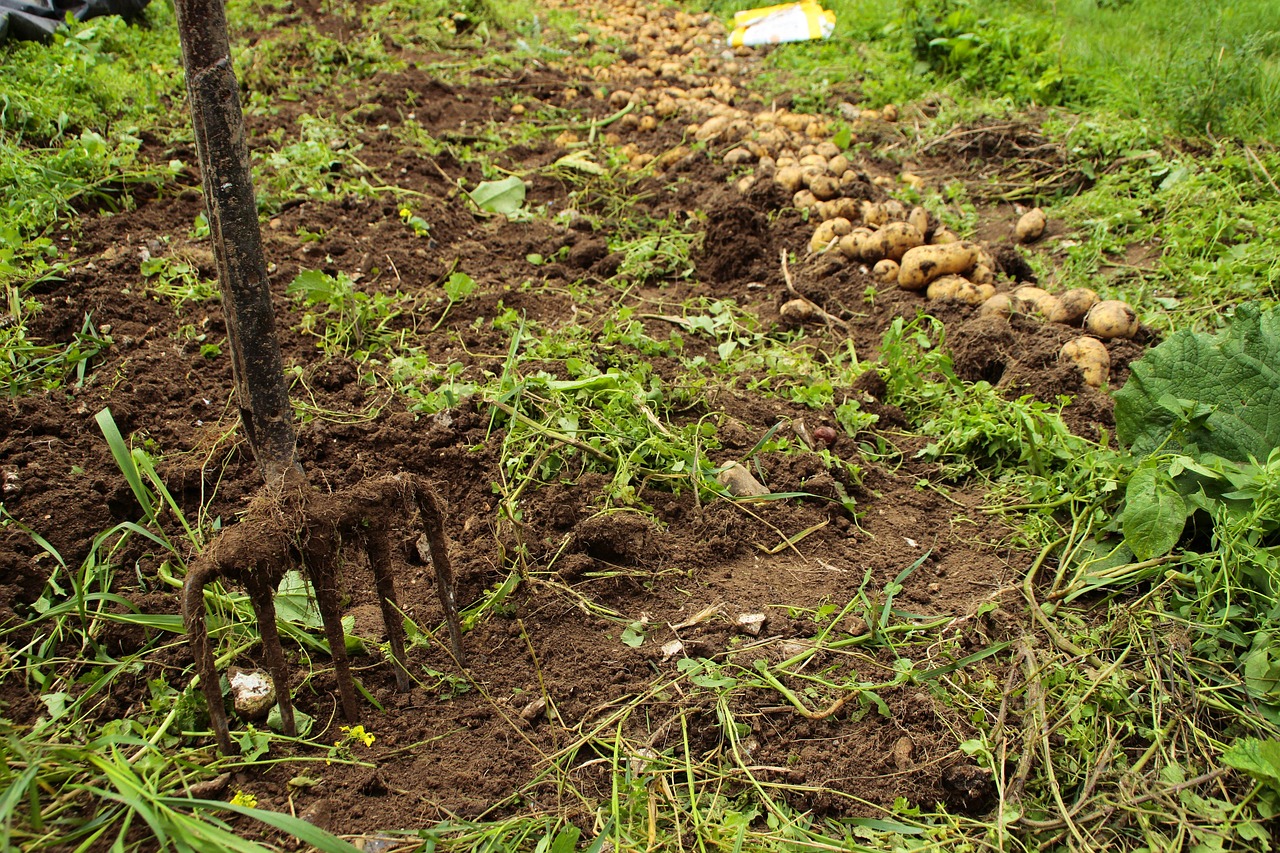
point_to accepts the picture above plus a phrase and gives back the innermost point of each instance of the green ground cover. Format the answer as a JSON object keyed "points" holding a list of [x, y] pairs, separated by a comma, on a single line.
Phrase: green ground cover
{"points": [[1170, 112]]}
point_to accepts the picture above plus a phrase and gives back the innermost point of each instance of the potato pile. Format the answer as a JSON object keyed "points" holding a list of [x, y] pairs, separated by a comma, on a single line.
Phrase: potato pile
{"points": [[677, 69]]}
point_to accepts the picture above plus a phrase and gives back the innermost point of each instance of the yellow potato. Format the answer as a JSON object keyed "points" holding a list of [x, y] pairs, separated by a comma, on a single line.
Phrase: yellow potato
{"points": [[790, 178], [847, 208], [1075, 304], [1090, 357], [923, 264], [997, 305], [956, 288], [798, 311], [1112, 319], [885, 271], [1030, 226], [893, 241], [873, 214], [919, 217], [823, 237], [1027, 299], [824, 187]]}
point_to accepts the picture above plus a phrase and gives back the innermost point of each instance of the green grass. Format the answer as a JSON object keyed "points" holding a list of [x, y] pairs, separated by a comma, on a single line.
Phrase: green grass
{"points": [[1143, 674]]}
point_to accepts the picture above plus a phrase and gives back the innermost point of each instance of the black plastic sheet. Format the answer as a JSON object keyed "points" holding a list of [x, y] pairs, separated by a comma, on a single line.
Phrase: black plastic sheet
{"points": [[38, 20]]}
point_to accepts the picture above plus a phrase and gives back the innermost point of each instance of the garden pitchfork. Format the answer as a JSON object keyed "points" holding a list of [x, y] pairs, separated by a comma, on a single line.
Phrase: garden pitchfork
{"points": [[289, 523]]}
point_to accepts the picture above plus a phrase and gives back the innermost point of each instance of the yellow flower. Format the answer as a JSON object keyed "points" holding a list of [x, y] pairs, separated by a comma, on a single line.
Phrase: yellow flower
{"points": [[405, 213], [354, 733], [243, 799]]}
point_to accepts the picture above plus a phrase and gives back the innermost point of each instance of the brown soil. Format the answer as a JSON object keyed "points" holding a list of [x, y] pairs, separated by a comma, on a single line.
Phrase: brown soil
{"points": [[460, 757]]}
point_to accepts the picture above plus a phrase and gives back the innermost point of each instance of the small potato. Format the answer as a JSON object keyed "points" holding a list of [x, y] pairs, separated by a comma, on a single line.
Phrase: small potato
{"points": [[913, 180], [945, 287], [804, 200], [1112, 318], [812, 159], [893, 241], [1075, 304], [997, 305], [956, 288], [790, 178], [1026, 299], [1049, 307], [825, 210], [1090, 357], [885, 271], [838, 165], [851, 244], [873, 214], [923, 264], [823, 237], [798, 311], [745, 183], [894, 210], [841, 226], [919, 217], [1030, 226], [824, 187], [982, 274], [847, 208], [942, 236]]}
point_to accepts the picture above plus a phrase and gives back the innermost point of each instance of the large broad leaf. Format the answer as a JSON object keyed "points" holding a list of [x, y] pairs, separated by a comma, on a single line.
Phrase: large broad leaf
{"points": [[1200, 394]]}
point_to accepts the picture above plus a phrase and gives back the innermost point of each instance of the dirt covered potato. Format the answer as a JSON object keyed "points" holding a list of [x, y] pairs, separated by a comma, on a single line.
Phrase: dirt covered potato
{"points": [[923, 264], [957, 288], [1112, 318], [1030, 226], [999, 305], [885, 271], [1075, 305], [895, 239], [1090, 357]]}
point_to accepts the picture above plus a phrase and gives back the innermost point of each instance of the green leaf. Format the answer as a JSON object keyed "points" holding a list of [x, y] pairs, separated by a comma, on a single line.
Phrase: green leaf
{"points": [[1259, 758], [459, 285], [314, 285], [566, 840], [1201, 393], [505, 196], [306, 832], [1261, 671], [294, 602], [1154, 514], [633, 635], [302, 721]]}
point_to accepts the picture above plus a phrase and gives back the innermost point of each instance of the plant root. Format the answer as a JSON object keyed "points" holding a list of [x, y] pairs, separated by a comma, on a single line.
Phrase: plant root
{"points": [[291, 524]]}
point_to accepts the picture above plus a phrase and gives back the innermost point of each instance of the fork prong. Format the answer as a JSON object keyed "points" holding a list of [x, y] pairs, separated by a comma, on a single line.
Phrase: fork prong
{"points": [[262, 597], [378, 546], [321, 560], [193, 618]]}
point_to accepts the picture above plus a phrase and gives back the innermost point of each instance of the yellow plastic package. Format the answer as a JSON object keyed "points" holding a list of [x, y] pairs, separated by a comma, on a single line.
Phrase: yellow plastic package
{"points": [[786, 22]]}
